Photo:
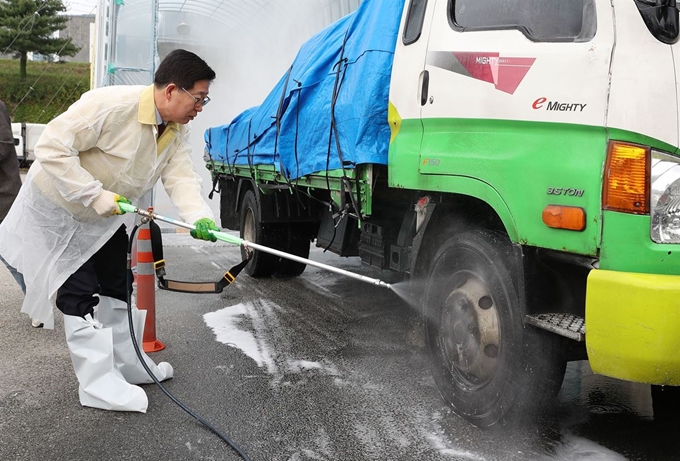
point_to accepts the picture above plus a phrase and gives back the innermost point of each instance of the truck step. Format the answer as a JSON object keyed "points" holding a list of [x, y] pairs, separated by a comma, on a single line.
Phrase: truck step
{"points": [[568, 325]]}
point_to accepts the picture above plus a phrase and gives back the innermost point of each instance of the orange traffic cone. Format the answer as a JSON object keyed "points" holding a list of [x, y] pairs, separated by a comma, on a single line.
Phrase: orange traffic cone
{"points": [[146, 288]]}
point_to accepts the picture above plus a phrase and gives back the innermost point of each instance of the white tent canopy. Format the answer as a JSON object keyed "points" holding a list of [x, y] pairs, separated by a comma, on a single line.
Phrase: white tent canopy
{"points": [[249, 44], [132, 35]]}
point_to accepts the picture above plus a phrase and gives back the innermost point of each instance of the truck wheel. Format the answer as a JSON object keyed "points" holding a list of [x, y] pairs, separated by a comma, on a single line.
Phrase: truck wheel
{"points": [[261, 264], [297, 243], [480, 352]]}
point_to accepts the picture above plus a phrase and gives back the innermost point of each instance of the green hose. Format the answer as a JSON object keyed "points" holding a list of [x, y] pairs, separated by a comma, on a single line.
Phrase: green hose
{"points": [[127, 208], [227, 238]]}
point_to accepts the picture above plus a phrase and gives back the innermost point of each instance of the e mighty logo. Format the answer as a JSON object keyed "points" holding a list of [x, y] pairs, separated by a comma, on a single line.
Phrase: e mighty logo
{"points": [[540, 104], [505, 73]]}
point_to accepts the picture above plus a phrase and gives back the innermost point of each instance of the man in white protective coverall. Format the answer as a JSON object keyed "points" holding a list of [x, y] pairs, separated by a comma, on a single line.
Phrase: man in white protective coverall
{"points": [[67, 235]]}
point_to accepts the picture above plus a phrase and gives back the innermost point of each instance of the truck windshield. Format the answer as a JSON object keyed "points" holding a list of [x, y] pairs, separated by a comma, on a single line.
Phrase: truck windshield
{"points": [[661, 17]]}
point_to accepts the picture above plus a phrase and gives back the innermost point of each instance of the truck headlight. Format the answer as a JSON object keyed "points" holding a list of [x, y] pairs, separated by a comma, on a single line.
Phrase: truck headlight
{"points": [[665, 198]]}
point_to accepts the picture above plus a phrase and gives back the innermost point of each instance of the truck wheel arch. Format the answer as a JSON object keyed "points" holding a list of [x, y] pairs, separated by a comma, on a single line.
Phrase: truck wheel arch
{"points": [[232, 191], [454, 212], [244, 185]]}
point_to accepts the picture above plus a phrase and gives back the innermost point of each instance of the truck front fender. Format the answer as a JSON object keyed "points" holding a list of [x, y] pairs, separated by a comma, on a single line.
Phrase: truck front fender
{"points": [[457, 187], [479, 206]]}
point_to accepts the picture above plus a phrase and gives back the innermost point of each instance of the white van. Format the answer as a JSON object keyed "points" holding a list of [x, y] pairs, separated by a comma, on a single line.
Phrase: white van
{"points": [[25, 137]]}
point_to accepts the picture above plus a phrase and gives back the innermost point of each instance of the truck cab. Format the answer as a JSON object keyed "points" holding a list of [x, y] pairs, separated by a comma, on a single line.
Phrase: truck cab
{"points": [[538, 122]]}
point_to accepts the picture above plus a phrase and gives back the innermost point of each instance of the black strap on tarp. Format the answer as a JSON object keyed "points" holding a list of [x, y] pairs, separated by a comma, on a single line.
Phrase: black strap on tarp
{"points": [[187, 287]]}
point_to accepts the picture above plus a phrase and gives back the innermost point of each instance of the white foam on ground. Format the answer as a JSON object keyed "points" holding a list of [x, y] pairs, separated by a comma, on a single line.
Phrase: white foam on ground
{"points": [[251, 327], [226, 324], [255, 329], [575, 448], [441, 446]]}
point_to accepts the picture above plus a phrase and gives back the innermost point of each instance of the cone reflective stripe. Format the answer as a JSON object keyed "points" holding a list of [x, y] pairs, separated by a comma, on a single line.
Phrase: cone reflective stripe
{"points": [[146, 289]]}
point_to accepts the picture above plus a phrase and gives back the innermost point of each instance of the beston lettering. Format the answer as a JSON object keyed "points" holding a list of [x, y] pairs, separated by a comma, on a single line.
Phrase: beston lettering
{"points": [[565, 191]]}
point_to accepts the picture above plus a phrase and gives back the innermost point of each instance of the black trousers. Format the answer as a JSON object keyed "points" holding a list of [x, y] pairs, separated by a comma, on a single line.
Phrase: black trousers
{"points": [[105, 273]]}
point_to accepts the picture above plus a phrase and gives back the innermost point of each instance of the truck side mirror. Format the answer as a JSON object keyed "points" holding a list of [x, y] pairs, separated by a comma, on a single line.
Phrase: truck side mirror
{"points": [[17, 141], [661, 18]]}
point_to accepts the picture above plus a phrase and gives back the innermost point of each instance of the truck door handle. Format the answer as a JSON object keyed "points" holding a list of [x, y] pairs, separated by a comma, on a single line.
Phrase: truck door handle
{"points": [[424, 86]]}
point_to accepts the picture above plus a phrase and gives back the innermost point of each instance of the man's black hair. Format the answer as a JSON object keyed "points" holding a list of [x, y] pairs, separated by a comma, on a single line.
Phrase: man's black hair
{"points": [[184, 69]]}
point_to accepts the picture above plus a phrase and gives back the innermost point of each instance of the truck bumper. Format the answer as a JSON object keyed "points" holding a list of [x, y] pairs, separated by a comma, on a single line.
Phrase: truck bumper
{"points": [[633, 326]]}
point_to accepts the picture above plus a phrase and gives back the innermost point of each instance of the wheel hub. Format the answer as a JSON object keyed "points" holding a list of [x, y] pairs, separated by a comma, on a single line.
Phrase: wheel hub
{"points": [[470, 331]]}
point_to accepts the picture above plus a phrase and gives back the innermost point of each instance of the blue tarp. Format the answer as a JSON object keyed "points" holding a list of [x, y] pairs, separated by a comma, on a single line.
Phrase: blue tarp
{"points": [[305, 141]]}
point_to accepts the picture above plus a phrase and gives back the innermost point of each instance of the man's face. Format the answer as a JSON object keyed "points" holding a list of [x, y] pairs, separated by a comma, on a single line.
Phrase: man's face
{"points": [[185, 103]]}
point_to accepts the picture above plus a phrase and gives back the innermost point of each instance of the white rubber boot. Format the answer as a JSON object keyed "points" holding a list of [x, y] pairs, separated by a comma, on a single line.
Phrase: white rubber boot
{"points": [[112, 313], [101, 384]]}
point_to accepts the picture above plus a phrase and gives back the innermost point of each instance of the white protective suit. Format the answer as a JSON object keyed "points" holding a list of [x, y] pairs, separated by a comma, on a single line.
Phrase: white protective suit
{"points": [[106, 140]]}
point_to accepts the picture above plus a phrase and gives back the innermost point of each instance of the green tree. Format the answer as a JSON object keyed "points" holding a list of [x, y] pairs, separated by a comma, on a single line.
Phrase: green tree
{"points": [[28, 26]]}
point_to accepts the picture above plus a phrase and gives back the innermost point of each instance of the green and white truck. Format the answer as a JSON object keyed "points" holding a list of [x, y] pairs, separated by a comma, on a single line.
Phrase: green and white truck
{"points": [[517, 160]]}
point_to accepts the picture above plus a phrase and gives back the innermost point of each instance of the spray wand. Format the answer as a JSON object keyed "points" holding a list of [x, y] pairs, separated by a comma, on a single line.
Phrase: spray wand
{"points": [[223, 236]]}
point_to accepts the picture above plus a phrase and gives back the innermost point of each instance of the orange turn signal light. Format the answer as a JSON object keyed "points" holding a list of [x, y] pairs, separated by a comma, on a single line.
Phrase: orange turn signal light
{"points": [[626, 178], [565, 217]]}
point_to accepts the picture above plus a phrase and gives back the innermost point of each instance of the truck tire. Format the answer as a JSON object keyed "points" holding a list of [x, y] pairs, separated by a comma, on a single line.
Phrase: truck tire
{"points": [[296, 242], [261, 264], [487, 366]]}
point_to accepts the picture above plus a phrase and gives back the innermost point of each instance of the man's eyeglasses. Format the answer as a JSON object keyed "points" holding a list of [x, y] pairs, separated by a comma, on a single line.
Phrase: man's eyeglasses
{"points": [[203, 102]]}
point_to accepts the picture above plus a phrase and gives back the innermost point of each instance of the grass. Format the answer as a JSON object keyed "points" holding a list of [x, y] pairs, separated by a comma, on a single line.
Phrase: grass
{"points": [[49, 88]]}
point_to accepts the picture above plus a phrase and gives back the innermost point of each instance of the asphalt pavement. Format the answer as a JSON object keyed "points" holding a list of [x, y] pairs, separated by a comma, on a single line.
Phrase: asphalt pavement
{"points": [[318, 367]]}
